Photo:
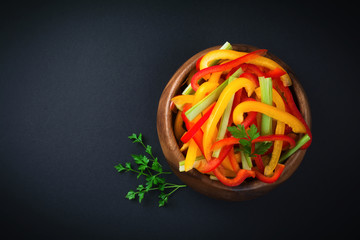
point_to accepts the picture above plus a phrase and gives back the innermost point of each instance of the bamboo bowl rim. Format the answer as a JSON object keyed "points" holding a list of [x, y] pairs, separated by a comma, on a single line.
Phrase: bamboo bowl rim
{"points": [[249, 189]]}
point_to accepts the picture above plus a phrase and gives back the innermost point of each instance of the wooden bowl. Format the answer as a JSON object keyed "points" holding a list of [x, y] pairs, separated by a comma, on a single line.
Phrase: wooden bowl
{"points": [[249, 189]]}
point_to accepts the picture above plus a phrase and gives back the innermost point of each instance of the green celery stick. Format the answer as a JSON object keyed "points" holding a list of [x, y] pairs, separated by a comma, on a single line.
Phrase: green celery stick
{"points": [[210, 98], [298, 145], [225, 117], [246, 161], [188, 90], [266, 97]]}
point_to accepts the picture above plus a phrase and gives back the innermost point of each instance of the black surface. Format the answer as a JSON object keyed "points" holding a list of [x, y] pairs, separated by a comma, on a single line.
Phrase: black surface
{"points": [[77, 78]]}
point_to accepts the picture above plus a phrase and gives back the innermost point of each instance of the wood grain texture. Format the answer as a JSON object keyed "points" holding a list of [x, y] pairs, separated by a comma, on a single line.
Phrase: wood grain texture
{"points": [[249, 189]]}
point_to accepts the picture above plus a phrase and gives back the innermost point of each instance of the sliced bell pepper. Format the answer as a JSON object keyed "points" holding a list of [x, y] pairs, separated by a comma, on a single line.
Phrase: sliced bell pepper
{"points": [[254, 69], [232, 140], [293, 108], [275, 73], [219, 109], [278, 170], [197, 126], [241, 175], [197, 66], [190, 155], [215, 162], [236, 101], [181, 100], [249, 106], [232, 71], [259, 163], [232, 158], [251, 117], [203, 90], [231, 54], [198, 137], [251, 77], [280, 129], [275, 137], [220, 68], [215, 77], [178, 126]]}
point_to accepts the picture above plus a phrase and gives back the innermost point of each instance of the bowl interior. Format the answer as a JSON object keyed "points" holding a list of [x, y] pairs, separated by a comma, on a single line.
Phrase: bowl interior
{"points": [[249, 189]]}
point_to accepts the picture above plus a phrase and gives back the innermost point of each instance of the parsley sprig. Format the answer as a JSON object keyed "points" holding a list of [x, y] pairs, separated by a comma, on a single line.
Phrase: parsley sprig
{"points": [[246, 138], [150, 168]]}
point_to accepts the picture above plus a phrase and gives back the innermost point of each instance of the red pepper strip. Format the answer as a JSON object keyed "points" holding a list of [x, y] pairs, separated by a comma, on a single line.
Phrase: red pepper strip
{"points": [[275, 73], [287, 129], [198, 63], [241, 175], [232, 140], [224, 142], [274, 137], [194, 129], [220, 68], [284, 147], [233, 70], [232, 158], [236, 101], [251, 77], [254, 69], [198, 137], [215, 162], [278, 170], [172, 106], [293, 108], [259, 163]]}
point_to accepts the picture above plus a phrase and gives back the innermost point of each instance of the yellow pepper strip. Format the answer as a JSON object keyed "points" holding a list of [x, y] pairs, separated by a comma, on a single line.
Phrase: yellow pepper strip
{"points": [[178, 126], [204, 89], [215, 77], [273, 112], [219, 109], [184, 146], [231, 55], [191, 155], [280, 129], [181, 100]]}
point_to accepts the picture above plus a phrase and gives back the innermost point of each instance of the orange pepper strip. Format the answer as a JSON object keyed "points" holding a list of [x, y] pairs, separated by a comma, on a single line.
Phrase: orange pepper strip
{"points": [[215, 77], [234, 164]]}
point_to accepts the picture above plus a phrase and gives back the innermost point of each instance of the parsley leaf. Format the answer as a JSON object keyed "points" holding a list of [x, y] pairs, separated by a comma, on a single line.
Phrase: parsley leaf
{"points": [[131, 195], [238, 131], [150, 168], [246, 138], [262, 147]]}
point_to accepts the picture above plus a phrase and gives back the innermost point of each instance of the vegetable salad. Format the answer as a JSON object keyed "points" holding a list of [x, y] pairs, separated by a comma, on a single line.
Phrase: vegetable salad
{"points": [[236, 117]]}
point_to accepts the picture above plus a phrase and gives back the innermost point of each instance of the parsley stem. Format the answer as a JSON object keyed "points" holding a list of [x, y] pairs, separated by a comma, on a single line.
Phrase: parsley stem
{"points": [[175, 186], [172, 191], [142, 173], [172, 184], [150, 153]]}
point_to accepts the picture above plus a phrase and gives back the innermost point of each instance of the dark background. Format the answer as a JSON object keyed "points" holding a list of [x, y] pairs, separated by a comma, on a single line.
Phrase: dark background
{"points": [[77, 78]]}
